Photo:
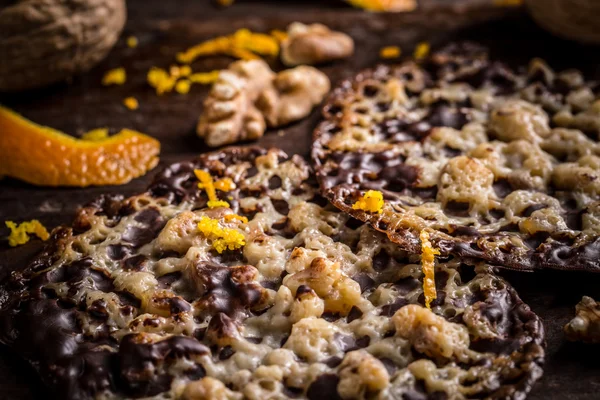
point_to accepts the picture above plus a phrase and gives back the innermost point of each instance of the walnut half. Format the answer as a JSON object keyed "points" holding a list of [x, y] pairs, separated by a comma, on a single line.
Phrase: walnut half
{"points": [[585, 326], [229, 113], [314, 44], [293, 95], [249, 96]]}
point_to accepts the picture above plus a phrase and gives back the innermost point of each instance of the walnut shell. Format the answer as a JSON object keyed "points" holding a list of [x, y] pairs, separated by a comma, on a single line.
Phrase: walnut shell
{"points": [[572, 19], [47, 41]]}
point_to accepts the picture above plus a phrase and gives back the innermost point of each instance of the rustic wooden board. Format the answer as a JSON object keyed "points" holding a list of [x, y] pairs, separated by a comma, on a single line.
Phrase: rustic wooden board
{"points": [[164, 28]]}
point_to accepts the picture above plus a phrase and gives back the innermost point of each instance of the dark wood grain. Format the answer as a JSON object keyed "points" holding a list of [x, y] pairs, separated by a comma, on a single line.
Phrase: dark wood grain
{"points": [[166, 27]]}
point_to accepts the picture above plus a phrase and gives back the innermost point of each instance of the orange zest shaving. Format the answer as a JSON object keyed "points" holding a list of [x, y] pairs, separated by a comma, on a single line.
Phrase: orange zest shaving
{"points": [[372, 201], [243, 44], [390, 52], [222, 238], [178, 78], [160, 80], [116, 76], [422, 50], [233, 217], [385, 5], [210, 186], [225, 3], [179, 72], [132, 42], [204, 78], [224, 184], [428, 254], [45, 156], [19, 234], [95, 134], [279, 35], [131, 103], [183, 86]]}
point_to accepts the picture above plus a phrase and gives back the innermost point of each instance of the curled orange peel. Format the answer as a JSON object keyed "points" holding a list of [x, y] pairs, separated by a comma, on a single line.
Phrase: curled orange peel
{"points": [[428, 253], [385, 5], [44, 156]]}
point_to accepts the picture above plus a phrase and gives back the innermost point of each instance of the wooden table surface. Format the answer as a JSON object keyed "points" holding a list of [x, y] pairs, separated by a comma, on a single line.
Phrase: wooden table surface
{"points": [[165, 27]]}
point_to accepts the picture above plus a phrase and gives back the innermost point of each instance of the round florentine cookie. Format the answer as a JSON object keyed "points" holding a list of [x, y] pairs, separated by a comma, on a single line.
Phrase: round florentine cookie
{"points": [[156, 296], [497, 166]]}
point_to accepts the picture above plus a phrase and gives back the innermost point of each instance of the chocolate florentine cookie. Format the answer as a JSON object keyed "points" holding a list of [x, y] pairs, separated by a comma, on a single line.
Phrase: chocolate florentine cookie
{"points": [[277, 296], [497, 165]]}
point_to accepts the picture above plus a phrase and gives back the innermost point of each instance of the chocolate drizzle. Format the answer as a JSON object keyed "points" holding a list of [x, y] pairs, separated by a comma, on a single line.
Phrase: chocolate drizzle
{"points": [[381, 161], [46, 316]]}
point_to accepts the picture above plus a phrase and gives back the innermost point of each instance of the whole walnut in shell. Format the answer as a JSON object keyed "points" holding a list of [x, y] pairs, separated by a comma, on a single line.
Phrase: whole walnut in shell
{"points": [[47, 41], [572, 19]]}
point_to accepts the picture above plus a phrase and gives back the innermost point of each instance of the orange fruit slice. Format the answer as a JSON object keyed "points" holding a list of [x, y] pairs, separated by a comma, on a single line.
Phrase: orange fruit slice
{"points": [[44, 156]]}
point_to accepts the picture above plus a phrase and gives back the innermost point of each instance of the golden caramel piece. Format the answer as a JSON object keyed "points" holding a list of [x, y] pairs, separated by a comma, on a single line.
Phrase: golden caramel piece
{"points": [[431, 334], [314, 44], [43, 156], [428, 254], [385, 5], [339, 292], [361, 372], [207, 388], [585, 326], [19, 233]]}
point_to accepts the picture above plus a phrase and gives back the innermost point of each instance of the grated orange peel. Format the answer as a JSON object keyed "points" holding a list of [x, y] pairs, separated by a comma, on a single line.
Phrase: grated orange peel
{"points": [[222, 238], [372, 201], [421, 51], [428, 254], [44, 156], [235, 217], [116, 76], [131, 103], [243, 44], [390, 52], [210, 186], [19, 234]]}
